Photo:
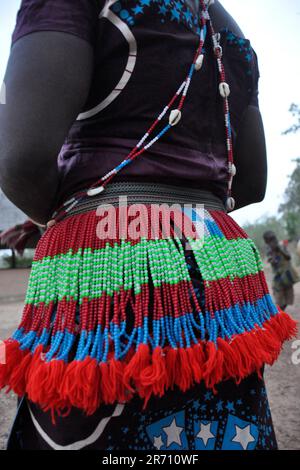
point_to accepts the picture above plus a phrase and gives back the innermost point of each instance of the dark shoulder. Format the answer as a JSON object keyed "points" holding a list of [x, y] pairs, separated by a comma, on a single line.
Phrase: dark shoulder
{"points": [[223, 20]]}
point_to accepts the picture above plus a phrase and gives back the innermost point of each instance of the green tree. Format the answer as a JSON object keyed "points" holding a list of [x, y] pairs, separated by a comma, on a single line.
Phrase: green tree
{"points": [[290, 208], [291, 222], [295, 110]]}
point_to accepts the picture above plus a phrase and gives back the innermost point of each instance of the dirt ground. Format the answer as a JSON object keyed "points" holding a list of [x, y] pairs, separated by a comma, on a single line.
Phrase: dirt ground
{"points": [[283, 379]]}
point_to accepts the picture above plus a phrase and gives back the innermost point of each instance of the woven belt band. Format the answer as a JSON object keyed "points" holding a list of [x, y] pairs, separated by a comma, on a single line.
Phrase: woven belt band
{"points": [[149, 193]]}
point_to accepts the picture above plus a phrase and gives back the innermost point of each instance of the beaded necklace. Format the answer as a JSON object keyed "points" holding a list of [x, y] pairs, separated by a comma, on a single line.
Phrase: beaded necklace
{"points": [[174, 118]]}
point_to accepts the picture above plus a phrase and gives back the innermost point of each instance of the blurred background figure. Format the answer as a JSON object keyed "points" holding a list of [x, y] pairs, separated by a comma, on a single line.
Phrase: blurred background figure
{"points": [[21, 236], [284, 272]]}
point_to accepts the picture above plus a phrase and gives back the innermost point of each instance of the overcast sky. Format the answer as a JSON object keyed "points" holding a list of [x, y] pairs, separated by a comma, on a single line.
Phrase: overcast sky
{"points": [[273, 26]]}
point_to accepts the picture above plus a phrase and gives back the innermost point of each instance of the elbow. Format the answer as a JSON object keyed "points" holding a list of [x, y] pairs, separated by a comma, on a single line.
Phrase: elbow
{"points": [[258, 184], [12, 172], [248, 191], [11, 180], [19, 169], [29, 183], [7, 174]]}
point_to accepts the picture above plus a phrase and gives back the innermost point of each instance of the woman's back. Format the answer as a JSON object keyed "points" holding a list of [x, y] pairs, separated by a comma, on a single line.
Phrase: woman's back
{"points": [[142, 52]]}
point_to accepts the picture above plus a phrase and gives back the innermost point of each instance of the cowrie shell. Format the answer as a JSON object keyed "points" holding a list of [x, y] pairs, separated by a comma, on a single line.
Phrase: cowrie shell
{"points": [[175, 117], [230, 204], [232, 169], [199, 62], [224, 89], [95, 191]]}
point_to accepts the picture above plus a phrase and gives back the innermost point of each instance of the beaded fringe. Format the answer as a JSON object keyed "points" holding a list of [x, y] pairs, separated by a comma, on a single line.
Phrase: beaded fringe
{"points": [[106, 319]]}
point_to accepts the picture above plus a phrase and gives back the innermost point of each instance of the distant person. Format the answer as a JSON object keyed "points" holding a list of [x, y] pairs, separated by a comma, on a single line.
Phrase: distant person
{"points": [[284, 273], [21, 236]]}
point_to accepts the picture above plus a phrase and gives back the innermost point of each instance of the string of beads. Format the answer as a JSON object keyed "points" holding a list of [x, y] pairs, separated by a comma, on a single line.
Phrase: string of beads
{"points": [[174, 118]]}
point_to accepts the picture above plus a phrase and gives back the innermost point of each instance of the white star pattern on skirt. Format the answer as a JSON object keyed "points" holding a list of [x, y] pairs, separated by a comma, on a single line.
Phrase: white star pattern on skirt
{"points": [[173, 433], [243, 436], [158, 442], [205, 433]]}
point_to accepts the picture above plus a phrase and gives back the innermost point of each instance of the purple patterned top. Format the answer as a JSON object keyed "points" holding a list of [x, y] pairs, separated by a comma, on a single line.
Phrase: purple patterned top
{"points": [[143, 49]]}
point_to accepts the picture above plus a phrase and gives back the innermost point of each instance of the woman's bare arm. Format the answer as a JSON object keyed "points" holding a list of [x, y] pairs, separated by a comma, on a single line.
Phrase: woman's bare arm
{"points": [[47, 82], [249, 185]]}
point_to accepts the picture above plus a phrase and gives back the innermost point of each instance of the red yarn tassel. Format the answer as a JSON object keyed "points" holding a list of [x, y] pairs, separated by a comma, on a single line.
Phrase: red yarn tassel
{"points": [[116, 371], [269, 343], [19, 376], [90, 376], [105, 384], [154, 376], [171, 366], [250, 353], [44, 380], [285, 326], [13, 356], [69, 389], [233, 364], [81, 385], [184, 376], [196, 359], [213, 368], [139, 361]]}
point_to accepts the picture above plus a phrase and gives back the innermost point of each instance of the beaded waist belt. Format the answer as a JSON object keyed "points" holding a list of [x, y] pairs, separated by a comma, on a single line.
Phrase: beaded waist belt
{"points": [[109, 317], [144, 193]]}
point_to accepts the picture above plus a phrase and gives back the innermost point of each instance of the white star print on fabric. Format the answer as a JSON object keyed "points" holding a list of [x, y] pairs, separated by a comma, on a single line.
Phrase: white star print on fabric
{"points": [[243, 436], [158, 442], [173, 433], [205, 433]]}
